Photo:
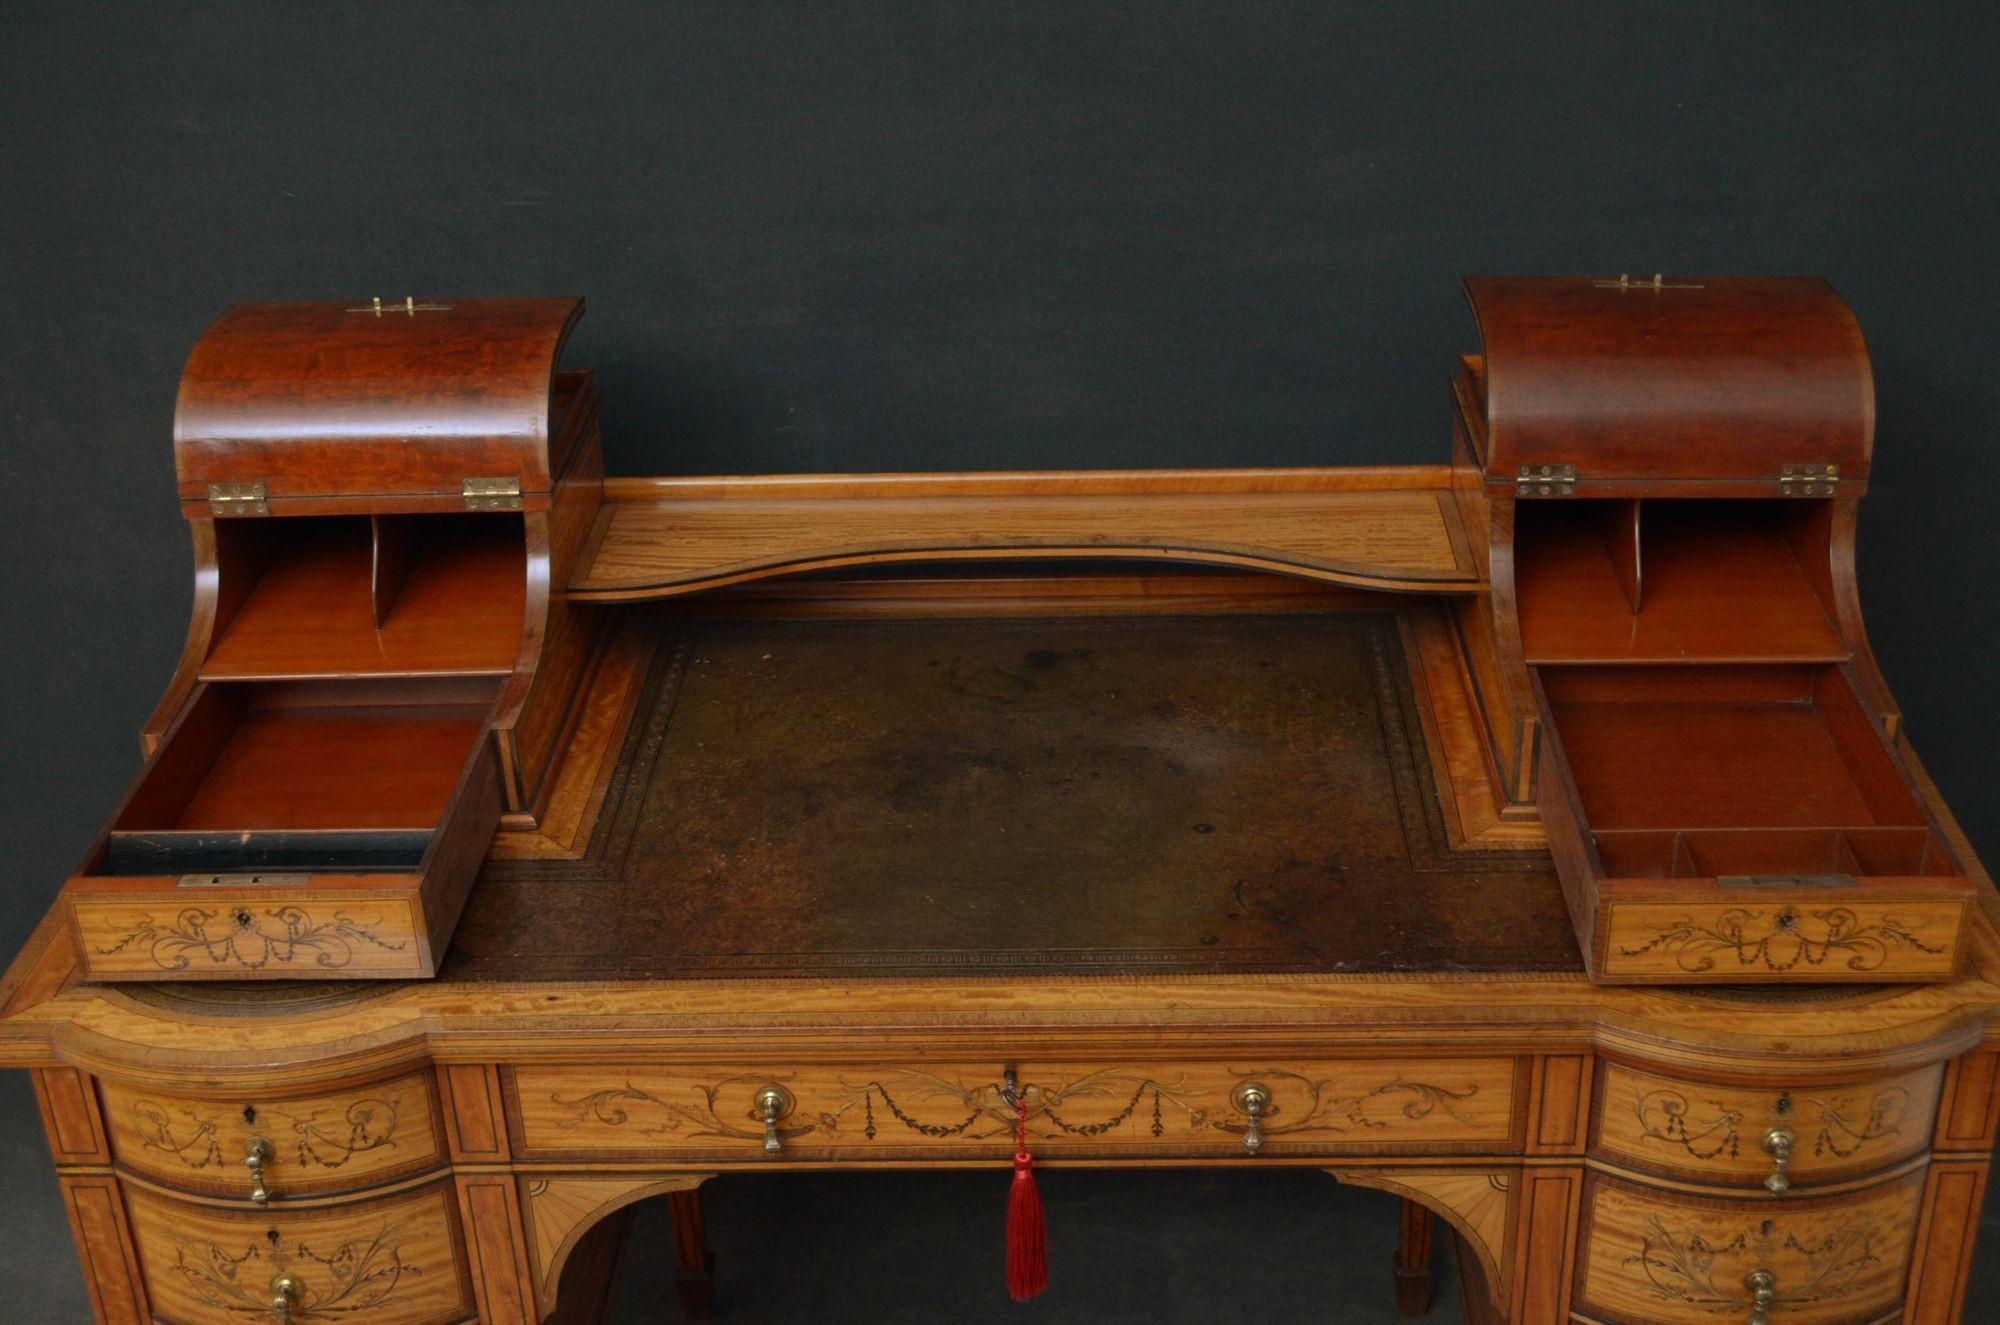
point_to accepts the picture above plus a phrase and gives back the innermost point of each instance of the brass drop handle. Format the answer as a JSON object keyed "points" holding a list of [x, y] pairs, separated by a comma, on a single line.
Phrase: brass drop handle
{"points": [[285, 1290], [1253, 1100], [1778, 1143], [1763, 1286], [256, 1154], [773, 1103]]}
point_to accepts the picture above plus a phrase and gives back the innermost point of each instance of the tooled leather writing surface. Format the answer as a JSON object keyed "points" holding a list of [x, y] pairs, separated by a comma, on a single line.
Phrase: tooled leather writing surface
{"points": [[1229, 794]]}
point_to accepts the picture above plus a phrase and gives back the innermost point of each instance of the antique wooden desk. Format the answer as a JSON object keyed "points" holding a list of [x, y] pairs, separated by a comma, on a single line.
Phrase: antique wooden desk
{"points": [[1529, 836]]}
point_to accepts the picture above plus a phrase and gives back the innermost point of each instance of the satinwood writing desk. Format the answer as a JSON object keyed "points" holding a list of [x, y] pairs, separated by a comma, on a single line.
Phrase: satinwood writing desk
{"points": [[1530, 836]]}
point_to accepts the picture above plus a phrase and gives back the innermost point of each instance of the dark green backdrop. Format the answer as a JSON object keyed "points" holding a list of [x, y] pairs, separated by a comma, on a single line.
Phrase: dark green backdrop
{"points": [[847, 236]]}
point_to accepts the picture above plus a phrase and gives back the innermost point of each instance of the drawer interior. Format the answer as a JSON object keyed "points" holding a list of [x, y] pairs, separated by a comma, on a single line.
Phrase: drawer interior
{"points": [[319, 775], [1709, 771]]}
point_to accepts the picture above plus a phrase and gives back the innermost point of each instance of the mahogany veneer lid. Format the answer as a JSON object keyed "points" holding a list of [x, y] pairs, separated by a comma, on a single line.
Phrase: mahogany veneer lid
{"points": [[1699, 377], [314, 399]]}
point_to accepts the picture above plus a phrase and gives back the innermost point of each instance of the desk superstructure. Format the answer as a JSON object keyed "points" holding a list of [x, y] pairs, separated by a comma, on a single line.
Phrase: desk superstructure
{"points": [[1530, 836]]}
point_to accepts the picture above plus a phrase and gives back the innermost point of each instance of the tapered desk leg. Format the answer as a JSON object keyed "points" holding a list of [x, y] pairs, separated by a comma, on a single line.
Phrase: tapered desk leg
{"points": [[1413, 1261], [694, 1264]]}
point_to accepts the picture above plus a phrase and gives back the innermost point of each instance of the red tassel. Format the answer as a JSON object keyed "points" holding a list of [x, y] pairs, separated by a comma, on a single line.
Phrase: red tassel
{"points": [[1027, 1234], [1027, 1227]]}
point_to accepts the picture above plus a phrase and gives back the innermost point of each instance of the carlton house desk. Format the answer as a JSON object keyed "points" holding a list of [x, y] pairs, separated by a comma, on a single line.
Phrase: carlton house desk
{"points": [[1531, 836]]}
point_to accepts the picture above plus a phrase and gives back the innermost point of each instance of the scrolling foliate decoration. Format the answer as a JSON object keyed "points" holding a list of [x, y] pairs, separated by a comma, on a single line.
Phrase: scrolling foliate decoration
{"points": [[990, 1115], [1783, 940], [1841, 1135], [1844, 1125], [367, 1124], [251, 940], [353, 1279], [616, 1105], [1101, 1103], [1327, 1108], [160, 1131], [1682, 1266], [1669, 1116]]}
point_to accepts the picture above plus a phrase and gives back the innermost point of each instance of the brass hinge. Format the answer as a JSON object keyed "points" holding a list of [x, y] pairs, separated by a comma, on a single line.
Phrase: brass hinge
{"points": [[1545, 481], [237, 499], [409, 306], [1809, 480], [492, 494], [1659, 282]]}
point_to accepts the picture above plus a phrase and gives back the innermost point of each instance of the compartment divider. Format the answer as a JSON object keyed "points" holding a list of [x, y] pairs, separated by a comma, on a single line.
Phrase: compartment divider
{"points": [[395, 544], [1624, 541]]}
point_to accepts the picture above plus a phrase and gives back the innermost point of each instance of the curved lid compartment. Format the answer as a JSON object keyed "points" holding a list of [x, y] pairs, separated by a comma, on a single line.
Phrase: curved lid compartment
{"points": [[356, 399], [1696, 377]]}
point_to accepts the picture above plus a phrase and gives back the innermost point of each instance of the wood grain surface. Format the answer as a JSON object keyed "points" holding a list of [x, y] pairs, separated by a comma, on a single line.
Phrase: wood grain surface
{"points": [[1160, 1107], [339, 1141], [688, 537], [1714, 1132], [335, 400], [394, 1260], [1706, 377], [1656, 1257]]}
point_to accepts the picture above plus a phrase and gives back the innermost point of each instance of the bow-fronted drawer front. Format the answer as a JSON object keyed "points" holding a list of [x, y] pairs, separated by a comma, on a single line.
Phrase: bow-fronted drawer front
{"points": [[923, 1110], [1773, 1136], [395, 1260], [277, 1148], [1655, 1257]]}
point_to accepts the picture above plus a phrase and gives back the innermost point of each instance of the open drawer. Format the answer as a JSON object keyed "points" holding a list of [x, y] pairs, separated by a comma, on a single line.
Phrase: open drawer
{"points": [[1742, 823], [305, 829]]}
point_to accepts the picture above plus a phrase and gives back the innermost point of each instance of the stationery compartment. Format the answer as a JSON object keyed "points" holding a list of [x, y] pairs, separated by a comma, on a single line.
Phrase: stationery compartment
{"points": [[373, 494], [365, 595], [1678, 580]]}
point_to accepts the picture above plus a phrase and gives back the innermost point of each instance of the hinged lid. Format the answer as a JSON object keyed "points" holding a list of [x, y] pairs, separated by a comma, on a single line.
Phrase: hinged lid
{"points": [[1729, 379], [365, 399]]}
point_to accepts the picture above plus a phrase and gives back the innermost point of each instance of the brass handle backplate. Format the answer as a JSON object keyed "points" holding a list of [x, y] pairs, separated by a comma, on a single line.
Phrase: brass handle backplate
{"points": [[1253, 1100], [773, 1103], [1778, 1143], [256, 1154], [1763, 1286], [285, 1290]]}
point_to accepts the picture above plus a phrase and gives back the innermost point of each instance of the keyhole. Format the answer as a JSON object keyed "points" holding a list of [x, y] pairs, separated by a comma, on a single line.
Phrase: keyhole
{"points": [[250, 1114], [243, 920]]}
